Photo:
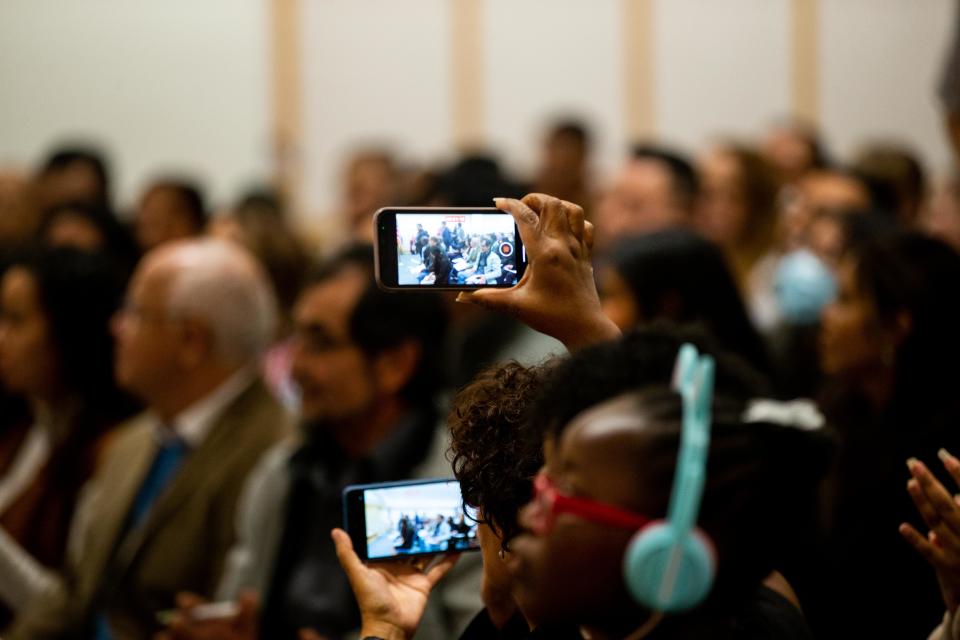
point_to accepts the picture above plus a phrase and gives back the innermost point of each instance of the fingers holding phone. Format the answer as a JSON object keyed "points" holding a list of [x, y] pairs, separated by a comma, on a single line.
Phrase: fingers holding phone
{"points": [[392, 595], [557, 294]]}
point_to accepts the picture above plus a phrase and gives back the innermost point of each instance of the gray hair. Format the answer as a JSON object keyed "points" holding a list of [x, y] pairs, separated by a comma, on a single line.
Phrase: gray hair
{"points": [[221, 283]]}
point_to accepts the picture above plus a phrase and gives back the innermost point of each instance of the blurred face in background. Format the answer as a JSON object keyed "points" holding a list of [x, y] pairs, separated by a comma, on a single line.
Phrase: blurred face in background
{"points": [[564, 158], [160, 219], [369, 184], [18, 221], [640, 200], [74, 230], [826, 238], [854, 343], [334, 375], [942, 219], [76, 182], [148, 338], [819, 191], [789, 151], [722, 208], [28, 362], [617, 300]]}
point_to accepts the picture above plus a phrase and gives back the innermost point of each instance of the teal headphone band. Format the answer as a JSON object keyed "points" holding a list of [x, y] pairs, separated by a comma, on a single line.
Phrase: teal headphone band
{"points": [[669, 564]]}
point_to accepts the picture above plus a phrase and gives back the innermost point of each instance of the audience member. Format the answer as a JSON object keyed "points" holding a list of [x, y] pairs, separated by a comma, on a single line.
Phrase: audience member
{"points": [[473, 181], [900, 175], [657, 188], [737, 211], [370, 180], [159, 515], [56, 355], [565, 163], [170, 209], [73, 174], [942, 218], [18, 218], [888, 400], [794, 148], [259, 222], [92, 229], [367, 363], [497, 481], [815, 192], [806, 282], [566, 564], [677, 276], [486, 268]]}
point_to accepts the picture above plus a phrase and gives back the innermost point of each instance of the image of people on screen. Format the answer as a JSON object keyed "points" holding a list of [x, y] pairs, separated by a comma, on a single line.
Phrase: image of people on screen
{"points": [[426, 518], [456, 249]]}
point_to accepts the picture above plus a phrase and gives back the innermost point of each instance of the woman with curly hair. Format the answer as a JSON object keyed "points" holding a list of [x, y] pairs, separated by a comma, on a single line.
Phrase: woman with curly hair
{"points": [[493, 409]]}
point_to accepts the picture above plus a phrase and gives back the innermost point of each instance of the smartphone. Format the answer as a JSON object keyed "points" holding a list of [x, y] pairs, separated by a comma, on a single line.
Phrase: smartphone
{"points": [[447, 248], [208, 611], [394, 520]]}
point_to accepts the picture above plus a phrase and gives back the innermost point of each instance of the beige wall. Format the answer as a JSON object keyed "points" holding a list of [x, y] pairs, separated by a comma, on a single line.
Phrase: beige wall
{"points": [[185, 83], [178, 84]]}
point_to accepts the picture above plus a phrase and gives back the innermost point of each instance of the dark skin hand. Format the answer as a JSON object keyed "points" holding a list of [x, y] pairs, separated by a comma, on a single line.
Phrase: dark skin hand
{"points": [[392, 595], [941, 512], [557, 294]]}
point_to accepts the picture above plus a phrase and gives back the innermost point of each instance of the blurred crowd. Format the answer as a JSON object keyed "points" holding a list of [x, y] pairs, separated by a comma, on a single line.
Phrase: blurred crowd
{"points": [[186, 387]]}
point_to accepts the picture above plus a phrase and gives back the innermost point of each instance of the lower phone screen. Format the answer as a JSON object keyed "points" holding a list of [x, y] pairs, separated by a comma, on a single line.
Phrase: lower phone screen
{"points": [[451, 249], [417, 519]]}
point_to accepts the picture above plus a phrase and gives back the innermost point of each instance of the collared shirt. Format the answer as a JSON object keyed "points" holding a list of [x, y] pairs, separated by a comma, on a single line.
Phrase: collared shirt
{"points": [[308, 588], [193, 424]]}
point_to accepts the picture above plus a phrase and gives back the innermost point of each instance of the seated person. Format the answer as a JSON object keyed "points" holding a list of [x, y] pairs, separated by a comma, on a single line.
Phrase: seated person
{"points": [[436, 265], [485, 269], [472, 250], [602, 411], [61, 406], [601, 415]]}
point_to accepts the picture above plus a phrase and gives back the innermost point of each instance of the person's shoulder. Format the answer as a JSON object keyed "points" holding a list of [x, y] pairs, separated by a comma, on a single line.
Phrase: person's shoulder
{"points": [[770, 614], [132, 432], [260, 410]]}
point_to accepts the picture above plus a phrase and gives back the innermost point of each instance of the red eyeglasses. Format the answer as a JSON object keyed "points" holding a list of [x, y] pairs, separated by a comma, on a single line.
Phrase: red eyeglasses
{"points": [[549, 502]]}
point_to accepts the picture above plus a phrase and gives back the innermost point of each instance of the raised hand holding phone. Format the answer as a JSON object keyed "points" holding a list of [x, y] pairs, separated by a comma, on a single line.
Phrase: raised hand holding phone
{"points": [[392, 596], [557, 294]]}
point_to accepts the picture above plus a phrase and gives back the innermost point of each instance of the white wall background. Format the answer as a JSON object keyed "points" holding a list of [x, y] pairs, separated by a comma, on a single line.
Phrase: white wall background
{"points": [[186, 85], [177, 84], [721, 68], [375, 71], [880, 63]]}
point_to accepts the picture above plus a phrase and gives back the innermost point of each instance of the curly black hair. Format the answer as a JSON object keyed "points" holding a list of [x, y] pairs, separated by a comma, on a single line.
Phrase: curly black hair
{"points": [[763, 479], [494, 452]]}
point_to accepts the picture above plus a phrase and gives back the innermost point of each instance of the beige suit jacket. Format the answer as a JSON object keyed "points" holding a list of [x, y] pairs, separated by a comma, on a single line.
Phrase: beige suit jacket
{"points": [[183, 542]]}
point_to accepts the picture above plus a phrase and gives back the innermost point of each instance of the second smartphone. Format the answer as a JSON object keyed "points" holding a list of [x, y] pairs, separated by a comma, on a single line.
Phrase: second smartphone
{"points": [[447, 248], [392, 520]]}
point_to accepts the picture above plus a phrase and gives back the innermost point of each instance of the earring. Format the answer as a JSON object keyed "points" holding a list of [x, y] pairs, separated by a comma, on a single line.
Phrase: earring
{"points": [[502, 554]]}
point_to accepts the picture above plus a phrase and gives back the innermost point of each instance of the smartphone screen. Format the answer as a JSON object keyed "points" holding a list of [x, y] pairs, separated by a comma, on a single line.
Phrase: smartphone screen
{"points": [[447, 248], [399, 519]]}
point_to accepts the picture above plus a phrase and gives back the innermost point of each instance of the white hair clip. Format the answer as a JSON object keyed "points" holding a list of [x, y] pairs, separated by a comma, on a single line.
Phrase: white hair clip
{"points": [[801, 414]]}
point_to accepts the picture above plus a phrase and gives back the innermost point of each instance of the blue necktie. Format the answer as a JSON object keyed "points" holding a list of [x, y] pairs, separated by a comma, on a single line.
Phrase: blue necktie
{"points": [[167, 460], [165, 464]]}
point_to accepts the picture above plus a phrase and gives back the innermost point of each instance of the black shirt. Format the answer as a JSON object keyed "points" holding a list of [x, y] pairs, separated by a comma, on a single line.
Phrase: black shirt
{"points": [[308, 587]]}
